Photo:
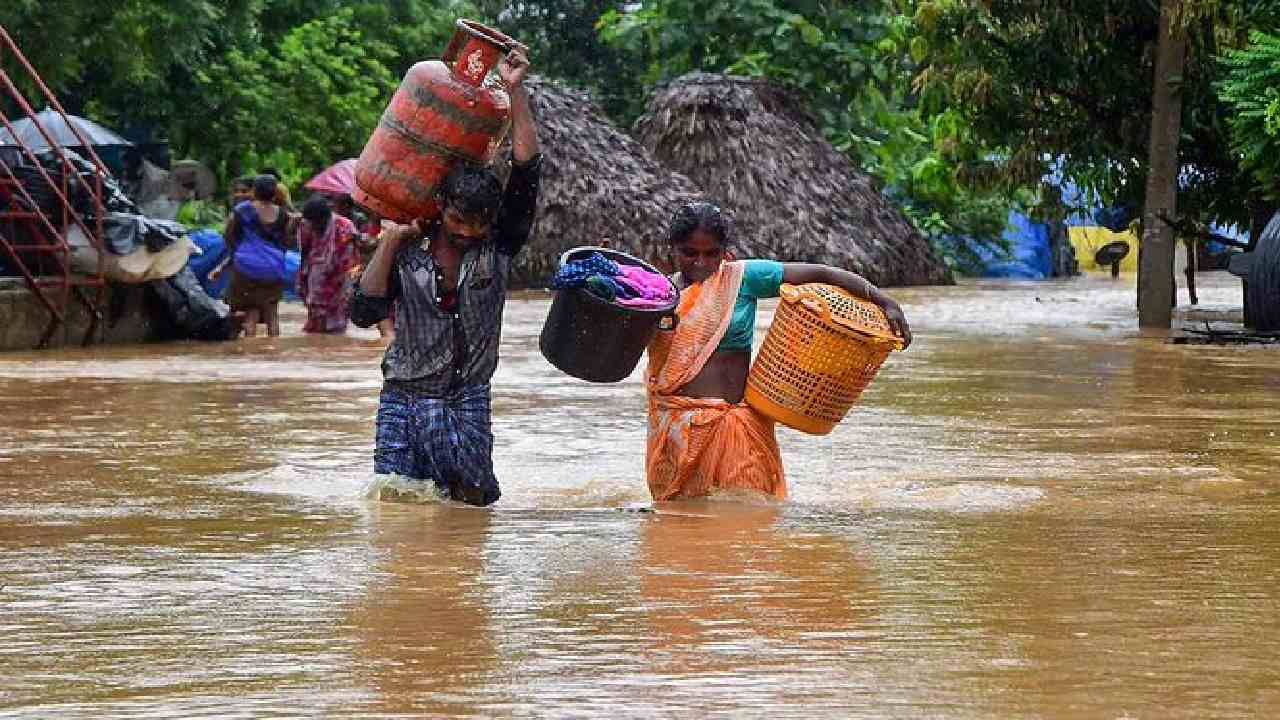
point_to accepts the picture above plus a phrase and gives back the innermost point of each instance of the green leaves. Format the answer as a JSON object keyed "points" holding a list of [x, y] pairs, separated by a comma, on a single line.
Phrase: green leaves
{"points": [[818, 48], [1251, 90], [919, 49], [233, 82], [854, 63], [565, 39], [318, 95], [1073, 82]]}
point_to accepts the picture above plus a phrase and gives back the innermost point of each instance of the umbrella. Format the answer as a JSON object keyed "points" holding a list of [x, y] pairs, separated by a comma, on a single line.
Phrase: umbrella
{"points": [[57, 128], [339, 178]]}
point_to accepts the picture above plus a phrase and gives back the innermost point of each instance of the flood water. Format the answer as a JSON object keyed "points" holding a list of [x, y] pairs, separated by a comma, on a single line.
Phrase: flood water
{"points": [[1034, 512]]}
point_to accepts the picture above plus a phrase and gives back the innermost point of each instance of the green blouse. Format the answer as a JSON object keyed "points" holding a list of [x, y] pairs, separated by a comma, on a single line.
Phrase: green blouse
{"points": [[760, 279]]}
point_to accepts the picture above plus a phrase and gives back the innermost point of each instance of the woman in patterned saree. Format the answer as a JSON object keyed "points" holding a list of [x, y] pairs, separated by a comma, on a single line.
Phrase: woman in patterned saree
{"points": [[329, 254]]}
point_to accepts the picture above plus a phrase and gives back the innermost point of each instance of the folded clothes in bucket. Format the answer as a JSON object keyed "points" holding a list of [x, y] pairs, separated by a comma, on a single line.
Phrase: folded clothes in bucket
{"points": [[646, 289], [605, 288], [626, 285], [574, 274]]}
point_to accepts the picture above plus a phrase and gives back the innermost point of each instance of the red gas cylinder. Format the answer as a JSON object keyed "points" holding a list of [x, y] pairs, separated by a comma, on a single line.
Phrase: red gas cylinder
{"points": [[440, 115]]}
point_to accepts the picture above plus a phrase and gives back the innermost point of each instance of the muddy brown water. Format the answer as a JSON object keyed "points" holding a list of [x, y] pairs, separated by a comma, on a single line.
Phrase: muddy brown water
{"points": [[1035, 512]]}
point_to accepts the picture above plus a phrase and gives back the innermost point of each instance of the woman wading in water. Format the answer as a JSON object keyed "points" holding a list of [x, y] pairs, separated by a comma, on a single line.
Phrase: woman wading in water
{"points": [[265, 223], [327, 241], [702, 437]]}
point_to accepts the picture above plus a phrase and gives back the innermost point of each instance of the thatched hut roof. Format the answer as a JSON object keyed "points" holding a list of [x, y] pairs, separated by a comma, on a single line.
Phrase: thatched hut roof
{"points": [[793, 196], [597, 182]]}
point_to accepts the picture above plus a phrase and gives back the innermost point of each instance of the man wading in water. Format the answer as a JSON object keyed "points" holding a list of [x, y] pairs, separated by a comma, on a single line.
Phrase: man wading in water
{"points": [[702, 438], [448, 282]]}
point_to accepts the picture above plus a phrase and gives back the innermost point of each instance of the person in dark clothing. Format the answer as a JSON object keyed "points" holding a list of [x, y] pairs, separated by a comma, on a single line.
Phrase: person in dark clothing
{"points": [[447, 281]]}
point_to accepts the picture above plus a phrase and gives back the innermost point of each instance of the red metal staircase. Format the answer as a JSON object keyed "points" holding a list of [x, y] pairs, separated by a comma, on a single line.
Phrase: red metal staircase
{"points": [[33, 241]]}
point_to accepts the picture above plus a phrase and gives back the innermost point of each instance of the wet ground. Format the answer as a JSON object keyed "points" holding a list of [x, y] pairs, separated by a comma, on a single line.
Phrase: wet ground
{"points": [[1034, 512]]}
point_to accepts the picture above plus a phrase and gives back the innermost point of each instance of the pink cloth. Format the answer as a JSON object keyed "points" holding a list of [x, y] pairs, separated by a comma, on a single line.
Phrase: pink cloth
{"points": [[652, 291], [324, 280]]}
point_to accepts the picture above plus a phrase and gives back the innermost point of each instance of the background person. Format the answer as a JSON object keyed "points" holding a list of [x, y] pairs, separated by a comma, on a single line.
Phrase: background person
{"points": [[327, 242], [257, 299]]}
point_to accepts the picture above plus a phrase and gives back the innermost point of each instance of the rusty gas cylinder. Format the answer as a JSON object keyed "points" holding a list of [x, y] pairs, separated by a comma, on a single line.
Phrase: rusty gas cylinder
{"points": [[441, 114]]}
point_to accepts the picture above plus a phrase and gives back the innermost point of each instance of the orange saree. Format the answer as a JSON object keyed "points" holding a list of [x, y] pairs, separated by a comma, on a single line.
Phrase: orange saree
{"points": [[700, 446]]}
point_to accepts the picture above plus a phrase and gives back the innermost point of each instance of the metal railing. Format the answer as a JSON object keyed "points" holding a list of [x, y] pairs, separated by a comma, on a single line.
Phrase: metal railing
{"points": [[28, 232]]}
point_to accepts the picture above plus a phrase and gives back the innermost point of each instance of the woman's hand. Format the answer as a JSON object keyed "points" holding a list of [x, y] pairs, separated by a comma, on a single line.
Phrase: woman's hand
{"points": [[216, 272], [854, 284], [897, 320]]}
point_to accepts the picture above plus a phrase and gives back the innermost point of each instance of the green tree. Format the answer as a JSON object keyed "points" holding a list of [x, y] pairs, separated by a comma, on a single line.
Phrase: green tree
{"points": [[310, 101], [854, 64], [413, 30], [563, 44], [1071, 83], [232, 82], [1251, 89], [825, 50], [1109, 92], [329, 85], [105, 57]]}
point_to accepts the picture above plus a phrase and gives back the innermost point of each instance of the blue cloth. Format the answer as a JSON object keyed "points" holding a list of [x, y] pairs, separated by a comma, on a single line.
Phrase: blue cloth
{"points": [[760, 279], [1115, 219], [259, 249], [212, 250], [574, 274], [292, 264], [445, 440], [1213, 247]]}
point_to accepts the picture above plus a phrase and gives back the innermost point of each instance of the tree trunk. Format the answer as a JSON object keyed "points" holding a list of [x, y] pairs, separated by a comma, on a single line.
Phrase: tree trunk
{"points": [[1155, 260], [1260, 212]]}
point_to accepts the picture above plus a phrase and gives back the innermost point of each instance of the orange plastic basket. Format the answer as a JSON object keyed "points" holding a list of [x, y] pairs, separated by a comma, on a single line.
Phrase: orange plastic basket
{"points": [[822, 350]]}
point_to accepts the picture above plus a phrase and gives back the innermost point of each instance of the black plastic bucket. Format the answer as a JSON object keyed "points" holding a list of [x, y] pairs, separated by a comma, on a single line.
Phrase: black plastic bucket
{"points": [[593, 339]]}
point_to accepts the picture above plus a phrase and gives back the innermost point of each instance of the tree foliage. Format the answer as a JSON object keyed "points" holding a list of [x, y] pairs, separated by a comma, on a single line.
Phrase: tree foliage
{"points": [[235, 83], [1067, 86], [312, 100], [297, 84], [122, 55], [853, 63], [957, 107], [1251, 88], [823, 49], [562, 38]]}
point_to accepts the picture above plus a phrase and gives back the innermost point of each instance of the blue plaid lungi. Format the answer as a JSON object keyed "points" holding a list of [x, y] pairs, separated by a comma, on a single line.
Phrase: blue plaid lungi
{"points": [[448, 441]]}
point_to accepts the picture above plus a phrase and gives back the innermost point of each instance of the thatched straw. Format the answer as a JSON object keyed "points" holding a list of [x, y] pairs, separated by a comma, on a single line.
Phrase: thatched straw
{"points": [[597, 182], [793, 196]]}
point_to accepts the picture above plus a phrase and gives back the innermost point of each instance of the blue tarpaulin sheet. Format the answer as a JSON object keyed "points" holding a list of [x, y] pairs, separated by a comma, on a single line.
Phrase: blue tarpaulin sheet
{"points": [[1028, 258]]}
